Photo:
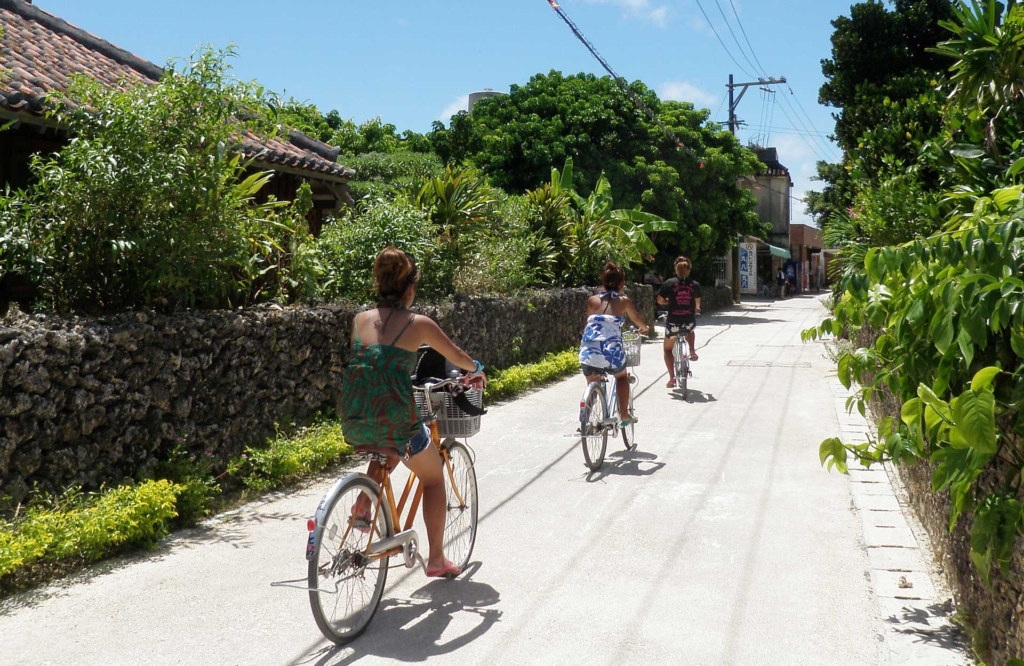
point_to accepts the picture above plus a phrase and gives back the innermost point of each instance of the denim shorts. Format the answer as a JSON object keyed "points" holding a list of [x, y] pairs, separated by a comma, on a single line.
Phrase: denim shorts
{"points": [[590, 371], [418, 444]]}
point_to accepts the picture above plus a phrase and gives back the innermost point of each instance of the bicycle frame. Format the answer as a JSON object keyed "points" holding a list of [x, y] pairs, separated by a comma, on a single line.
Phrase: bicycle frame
{"points": [[413, 493]]}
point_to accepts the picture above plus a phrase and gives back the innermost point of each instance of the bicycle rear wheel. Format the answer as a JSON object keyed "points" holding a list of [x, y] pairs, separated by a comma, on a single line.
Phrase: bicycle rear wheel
{"points": [[460, 523], [628, 432], [345, 586], [593, 434]]}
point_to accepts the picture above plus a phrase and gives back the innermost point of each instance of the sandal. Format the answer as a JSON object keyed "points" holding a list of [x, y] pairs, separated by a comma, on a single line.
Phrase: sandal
{"points": [[448, 570], [671, 383], [359, 518], [625, 423], [693, 357]]}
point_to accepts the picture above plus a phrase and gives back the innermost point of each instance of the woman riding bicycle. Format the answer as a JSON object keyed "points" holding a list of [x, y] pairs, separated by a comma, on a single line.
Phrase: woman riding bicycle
{"points": [[377, 403], [682, 296], [601, 348]]}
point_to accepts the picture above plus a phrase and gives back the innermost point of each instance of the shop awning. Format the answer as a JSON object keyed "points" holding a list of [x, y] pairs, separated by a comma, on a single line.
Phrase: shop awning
{"points": [[779, 251]]}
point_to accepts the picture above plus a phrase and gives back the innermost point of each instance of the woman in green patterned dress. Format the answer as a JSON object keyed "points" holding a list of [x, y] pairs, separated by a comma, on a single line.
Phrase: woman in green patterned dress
{"points": [[377, 404]]}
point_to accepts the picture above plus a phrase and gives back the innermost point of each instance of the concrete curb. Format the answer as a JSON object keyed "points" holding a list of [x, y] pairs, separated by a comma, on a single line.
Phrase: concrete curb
{"points": [[913, 599]]}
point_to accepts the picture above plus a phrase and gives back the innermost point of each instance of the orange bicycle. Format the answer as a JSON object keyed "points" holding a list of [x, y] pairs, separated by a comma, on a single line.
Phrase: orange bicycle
{"points": [[352, 537]]}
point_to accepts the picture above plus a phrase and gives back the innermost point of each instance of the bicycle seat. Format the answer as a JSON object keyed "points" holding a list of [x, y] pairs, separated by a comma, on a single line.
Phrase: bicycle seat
{"points": [[382, 452]]}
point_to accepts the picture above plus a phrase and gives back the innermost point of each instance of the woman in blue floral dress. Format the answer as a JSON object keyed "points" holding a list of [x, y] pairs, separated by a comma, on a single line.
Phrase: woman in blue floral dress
{"points": [[601, 349]]}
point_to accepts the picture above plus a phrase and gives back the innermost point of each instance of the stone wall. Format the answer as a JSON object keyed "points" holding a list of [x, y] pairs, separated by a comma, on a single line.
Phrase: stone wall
{"points": [[93, 401], [996, 612]]}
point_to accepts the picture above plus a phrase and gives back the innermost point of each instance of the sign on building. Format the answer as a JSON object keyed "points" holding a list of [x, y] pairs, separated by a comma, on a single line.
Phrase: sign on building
{"points": [[748, 268]]}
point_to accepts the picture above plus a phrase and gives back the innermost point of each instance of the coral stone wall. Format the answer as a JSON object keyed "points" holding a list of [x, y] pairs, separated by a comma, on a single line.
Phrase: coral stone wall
{"points": [[92, 401]]}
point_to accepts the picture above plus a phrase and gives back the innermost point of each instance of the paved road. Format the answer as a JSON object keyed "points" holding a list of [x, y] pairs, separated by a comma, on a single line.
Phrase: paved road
{"points": [[720, 541]]}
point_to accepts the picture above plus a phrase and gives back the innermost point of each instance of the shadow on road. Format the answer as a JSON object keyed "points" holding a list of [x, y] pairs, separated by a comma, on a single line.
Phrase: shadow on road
{"points": [[411, 630], [736, 320], [693, 395], [626, 463], [946, 635]]}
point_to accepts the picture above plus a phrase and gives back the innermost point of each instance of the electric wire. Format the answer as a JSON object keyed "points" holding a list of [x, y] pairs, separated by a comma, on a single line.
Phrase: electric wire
{"points": [[621, 82], [720, 41], [734, 39], [826, 147]]}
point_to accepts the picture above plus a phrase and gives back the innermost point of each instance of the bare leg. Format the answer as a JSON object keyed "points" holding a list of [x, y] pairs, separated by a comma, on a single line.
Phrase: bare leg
{"points": [[429, 469], [693, 348], [670, 360], [622, 391]]}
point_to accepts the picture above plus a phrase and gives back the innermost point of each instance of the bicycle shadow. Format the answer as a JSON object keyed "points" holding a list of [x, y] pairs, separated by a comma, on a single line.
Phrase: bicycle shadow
{"points": [[411, 630], [626, 463], [693, 395]]}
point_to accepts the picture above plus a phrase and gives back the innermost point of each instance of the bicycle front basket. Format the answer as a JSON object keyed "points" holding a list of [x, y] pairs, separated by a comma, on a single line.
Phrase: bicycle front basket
{"points": [[452, 421]]}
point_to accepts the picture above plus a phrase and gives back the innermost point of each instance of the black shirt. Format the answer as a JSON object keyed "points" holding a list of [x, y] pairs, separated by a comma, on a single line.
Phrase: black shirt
{"points": [[681, 295]]}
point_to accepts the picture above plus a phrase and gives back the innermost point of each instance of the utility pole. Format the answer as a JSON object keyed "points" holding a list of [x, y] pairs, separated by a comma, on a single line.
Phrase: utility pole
{"points": [[734, 100], [734, 122]]}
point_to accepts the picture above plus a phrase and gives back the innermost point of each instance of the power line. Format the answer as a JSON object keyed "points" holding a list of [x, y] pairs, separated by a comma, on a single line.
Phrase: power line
{"points": [[825, 148], [738, 45], [812, 146], [740, 23], [621, 82], [724, 47]]}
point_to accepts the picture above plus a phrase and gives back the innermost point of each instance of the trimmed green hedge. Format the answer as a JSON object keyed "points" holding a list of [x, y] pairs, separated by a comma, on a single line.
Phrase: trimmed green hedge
{"points": [[519, 378], [79, 529]]}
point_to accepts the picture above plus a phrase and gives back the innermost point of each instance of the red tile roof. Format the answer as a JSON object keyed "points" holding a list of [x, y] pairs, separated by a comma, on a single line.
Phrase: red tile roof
{"points": [[40, 53]]}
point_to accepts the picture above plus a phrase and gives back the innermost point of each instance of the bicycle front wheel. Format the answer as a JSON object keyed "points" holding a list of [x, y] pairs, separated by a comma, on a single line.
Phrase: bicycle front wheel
{"points": [[593, 434], [682, 366], [345, 585], [461, 497]]}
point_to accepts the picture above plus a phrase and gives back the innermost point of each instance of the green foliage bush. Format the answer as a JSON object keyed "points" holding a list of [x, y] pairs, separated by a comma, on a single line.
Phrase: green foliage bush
{"points": [[286, 459], [948, 309], [348, 247], [516, 379], [86, 528], [395, 175], [150, 204]]}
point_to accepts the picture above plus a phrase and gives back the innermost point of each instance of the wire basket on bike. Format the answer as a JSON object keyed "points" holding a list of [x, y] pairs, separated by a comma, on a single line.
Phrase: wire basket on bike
{"points": [[631, 343], [452, 421]]}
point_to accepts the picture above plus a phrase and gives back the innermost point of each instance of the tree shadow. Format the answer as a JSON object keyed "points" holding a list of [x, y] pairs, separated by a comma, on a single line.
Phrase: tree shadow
{"points": [[626, 463], [693, 395], [736, 320], [933, 626], [410, 630]]}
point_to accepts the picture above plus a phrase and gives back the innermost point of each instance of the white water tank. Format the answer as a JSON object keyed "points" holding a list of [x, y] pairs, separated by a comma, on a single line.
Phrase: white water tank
{"points": [[475, 97]]}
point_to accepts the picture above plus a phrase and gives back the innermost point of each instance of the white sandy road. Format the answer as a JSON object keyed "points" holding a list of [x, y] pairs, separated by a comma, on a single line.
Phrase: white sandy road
{"points": [[720, 541]]}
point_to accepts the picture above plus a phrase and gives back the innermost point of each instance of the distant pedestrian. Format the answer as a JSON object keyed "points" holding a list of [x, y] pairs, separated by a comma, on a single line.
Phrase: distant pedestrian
{"points": [[780, 280]]}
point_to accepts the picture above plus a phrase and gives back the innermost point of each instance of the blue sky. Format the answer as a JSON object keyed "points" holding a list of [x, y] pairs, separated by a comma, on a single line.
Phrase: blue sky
{"points": [[412, 62]]}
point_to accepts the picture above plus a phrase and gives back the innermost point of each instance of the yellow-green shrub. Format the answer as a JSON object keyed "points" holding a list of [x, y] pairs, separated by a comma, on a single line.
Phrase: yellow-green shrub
{"points": [[88, 528], [518, 378], [287, 459]]}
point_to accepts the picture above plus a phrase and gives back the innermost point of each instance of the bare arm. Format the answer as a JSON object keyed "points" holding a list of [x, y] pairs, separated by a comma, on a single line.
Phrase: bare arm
{"points": [[431, 334], [635, 316], [662, 300], [697, 301]]}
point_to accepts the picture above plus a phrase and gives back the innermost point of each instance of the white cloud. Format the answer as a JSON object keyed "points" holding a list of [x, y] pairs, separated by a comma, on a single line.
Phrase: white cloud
{"points": [[643, 9], [684, 91], [460, 103]]}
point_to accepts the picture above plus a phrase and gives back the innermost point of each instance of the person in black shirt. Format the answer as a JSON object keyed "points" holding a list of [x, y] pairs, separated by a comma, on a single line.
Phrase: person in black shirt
{"points": [[682, 296]]}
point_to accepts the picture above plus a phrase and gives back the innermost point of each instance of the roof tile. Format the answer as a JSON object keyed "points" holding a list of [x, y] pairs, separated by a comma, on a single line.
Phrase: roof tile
{"points": [[41, 53]]}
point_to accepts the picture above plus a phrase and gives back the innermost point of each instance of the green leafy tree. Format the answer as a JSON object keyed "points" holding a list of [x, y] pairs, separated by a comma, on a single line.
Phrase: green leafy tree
{"points": [[881, 80], [459, 141], [587, 118], [948, 309]]}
